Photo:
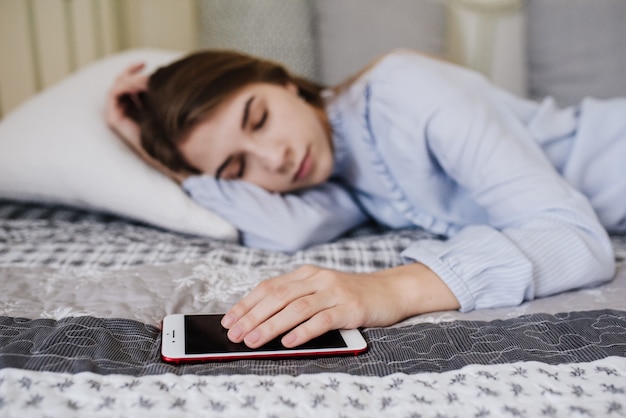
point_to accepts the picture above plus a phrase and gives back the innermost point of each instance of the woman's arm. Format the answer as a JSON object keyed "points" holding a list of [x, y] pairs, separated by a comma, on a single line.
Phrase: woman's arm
{"points": [[540, 236], [543, 236], [274, 221], [310, 301]]}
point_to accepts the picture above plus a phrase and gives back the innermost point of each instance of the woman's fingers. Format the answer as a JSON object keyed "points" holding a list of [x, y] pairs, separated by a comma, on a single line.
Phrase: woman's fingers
{"points": [[135, 67], [320, 323], [130, 81], [130, 84], [265, 288], [264, 302], [306, 304], [312, 313], [130, 72], [316, 300]]}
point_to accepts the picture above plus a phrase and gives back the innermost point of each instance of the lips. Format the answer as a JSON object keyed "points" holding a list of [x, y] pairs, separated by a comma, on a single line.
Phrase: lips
{"points": [[305, 167]]}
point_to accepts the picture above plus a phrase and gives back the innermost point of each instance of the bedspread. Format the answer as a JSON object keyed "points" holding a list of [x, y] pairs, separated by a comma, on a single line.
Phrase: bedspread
{"points": [[82, 296]]}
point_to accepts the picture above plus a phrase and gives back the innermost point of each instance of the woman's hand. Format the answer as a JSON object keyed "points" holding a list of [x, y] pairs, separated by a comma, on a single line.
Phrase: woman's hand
{"points": [[127, 88], [316, 300]]}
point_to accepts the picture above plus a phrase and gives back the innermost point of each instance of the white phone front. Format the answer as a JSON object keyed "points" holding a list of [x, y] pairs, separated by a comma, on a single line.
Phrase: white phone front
{"points": [[201, 337]]}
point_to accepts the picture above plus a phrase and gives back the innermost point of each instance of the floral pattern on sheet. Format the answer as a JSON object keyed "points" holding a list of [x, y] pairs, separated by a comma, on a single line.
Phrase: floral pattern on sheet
{"points": [[526, 389]]}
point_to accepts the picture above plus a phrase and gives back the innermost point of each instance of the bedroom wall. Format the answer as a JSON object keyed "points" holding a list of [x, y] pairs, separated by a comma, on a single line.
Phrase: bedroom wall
{"points": [[329, 40], [41, 41], [489, 36]]}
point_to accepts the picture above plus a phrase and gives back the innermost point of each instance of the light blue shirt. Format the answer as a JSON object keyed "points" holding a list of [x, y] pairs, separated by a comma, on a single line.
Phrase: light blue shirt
{"points": [[420, 142]]}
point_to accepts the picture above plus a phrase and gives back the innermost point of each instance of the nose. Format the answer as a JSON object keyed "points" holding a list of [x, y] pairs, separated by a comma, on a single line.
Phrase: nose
{"points": [[274, 157]]}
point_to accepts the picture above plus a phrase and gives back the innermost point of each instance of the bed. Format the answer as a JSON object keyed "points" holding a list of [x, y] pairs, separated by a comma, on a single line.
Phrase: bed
{"points": [[88, 273], [83, 294]]}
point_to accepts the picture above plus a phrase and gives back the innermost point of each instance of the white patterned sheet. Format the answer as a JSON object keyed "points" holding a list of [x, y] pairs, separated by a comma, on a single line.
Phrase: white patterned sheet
{"points": [[64, 272], [528, 389]]}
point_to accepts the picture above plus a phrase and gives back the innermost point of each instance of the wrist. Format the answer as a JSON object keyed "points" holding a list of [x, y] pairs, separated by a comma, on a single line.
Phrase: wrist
{"points": [[419, 290]]}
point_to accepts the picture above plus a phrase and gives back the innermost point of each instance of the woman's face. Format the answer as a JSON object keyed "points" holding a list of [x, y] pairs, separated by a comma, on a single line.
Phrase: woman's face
{"points": [[264, 134]]}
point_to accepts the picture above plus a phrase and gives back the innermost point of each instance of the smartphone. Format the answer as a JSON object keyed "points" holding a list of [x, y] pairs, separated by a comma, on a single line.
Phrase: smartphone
{"points": [[201, 337]]}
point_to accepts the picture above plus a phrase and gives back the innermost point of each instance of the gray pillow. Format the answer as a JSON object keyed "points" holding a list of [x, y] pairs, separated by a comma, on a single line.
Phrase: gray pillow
{"points": [[279, 30], [351, 33], [576, 48]]}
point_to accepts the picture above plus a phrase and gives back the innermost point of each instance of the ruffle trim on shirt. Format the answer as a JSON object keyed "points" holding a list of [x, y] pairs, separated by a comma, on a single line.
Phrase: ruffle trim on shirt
{"points": [[399, 200], [338, 136]]}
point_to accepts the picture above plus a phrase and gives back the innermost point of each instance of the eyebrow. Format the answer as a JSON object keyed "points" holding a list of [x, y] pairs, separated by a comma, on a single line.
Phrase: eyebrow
{"points": [[246, 112], [244, 121]]}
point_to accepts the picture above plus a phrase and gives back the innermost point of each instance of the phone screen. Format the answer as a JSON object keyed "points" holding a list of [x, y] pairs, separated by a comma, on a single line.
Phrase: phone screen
{"points": [[204, 334]]}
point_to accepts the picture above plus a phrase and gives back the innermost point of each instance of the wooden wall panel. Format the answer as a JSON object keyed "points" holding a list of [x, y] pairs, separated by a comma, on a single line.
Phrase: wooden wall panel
{"points": [[85, 27], [52, 35], [161, 23], [17, 59], [110, 26], [42, 41]]}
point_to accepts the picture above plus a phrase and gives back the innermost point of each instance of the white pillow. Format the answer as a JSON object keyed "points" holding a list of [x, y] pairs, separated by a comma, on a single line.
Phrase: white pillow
{"points": [[56, 147]]}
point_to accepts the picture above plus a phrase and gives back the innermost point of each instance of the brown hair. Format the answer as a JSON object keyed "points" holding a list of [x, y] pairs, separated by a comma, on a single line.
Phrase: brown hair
{"points": [[183, 93]]}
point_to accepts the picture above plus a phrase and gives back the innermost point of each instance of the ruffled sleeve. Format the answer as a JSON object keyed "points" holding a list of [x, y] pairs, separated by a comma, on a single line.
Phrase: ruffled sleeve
{"points": [[281, 222], [541, 236]]}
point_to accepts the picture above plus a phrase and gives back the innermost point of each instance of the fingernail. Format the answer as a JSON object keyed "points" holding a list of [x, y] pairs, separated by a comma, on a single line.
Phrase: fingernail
{"points": [[253, 337], [289, 339], [228, 320], [235, 334]]}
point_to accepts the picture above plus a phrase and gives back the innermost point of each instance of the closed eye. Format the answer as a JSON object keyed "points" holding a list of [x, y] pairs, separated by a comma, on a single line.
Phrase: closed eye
{"points": [[242, 167], [232, 168], [261, 121], [222, 167]]}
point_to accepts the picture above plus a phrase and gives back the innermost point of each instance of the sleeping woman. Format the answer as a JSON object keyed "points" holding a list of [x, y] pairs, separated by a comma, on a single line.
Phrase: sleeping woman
{"points": [[524, 192]]}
